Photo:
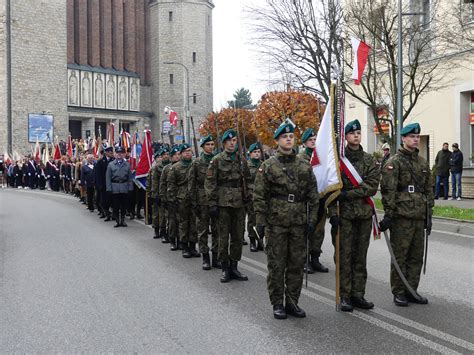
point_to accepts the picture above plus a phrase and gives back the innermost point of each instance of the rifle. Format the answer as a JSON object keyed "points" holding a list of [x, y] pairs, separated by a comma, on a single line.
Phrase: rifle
{"points": [[196, 150], [241, 160], [219, 147]]}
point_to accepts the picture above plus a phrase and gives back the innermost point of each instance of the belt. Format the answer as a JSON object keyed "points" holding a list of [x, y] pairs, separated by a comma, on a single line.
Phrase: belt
{"points": [[410, 189], [119, 182], [229, 184], [291, 198]]}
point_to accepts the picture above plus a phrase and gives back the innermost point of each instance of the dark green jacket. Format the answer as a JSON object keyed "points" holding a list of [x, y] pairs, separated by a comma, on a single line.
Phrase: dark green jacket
{"points": [[178, 181], [223, 183], [402, 170], [280, 179], [196, 179], [354, 206], [253, 168]]}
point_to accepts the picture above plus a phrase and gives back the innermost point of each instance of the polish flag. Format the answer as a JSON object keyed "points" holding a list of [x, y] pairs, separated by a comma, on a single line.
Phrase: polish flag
{"points": [[361, 53], [145, 162], [57, 152], [174, 118]]}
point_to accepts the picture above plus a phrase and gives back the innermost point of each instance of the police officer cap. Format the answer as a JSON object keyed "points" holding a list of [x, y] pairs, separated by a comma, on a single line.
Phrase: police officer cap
{"points": [[174, 150], [307, 135], [411, 128], [285, 127], [184, 146], [205, 139], [108, 148], [253, 147], [230, 133], [352, 126], [119, 149]]}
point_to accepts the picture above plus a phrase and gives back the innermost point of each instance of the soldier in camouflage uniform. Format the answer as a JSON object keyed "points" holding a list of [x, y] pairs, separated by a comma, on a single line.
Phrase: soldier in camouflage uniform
{"points": [[408, 200], [315, 239], [224, 190], [180, 199], [152, 189], [255, 153], [162, 211], [355, 221], [149, 212], [172, 221], [285, 189], [200, 203]]}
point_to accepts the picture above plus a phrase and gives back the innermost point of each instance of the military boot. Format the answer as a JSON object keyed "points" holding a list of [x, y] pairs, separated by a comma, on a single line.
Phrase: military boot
{"points": [[215, 262], [225, 272], [260, 245], [317, 266], [279, 312], [206, 261], [361, 302], [236, 274], [400, 300], [173, 246], [346, 304], [193, 250], [308, 268], [117, 223], [164, 236], [186, 250], [107, 216], [294, 310], [157, 233], [122, 221], [244, 242], [420, 300], [253, 245]]}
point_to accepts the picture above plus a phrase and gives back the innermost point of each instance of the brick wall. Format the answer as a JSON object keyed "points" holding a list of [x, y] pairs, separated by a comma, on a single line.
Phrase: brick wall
{"points": [[39, 75]]}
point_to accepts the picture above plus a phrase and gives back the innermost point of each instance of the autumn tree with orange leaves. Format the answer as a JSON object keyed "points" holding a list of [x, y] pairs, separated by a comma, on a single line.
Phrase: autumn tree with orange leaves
{"points": [[303, 108]]}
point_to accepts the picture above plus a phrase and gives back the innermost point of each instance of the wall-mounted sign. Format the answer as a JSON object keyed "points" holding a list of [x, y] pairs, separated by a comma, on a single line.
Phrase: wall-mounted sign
{"points": [[40, 126]]}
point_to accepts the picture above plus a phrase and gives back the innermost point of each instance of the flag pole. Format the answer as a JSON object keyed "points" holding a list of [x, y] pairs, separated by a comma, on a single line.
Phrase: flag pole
{"points": [[338, 239]]}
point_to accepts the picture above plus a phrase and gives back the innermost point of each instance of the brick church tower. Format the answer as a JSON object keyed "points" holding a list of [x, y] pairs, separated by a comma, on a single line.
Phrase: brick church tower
{"points": [[87, 63]]}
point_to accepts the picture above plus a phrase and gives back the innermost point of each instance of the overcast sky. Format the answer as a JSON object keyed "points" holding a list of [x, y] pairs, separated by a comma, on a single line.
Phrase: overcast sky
{"points": [[235, 64]]}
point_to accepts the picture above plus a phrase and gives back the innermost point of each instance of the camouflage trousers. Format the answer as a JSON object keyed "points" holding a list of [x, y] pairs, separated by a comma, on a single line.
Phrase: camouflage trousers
{"points": [[354, 243], [155, 213], [204, 220], [407, 240], [186, 223], [172, 225], [251, 221], [231, 229], [285, 251], [162, 219], [316, 239]]}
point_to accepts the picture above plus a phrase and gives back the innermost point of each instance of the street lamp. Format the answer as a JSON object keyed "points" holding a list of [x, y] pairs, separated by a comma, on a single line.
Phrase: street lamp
{"points": [[400, 71], [188, 138]]}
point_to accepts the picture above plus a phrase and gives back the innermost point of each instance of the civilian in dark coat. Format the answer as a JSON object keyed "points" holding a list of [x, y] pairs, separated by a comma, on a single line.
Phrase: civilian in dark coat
{"points": [[100, 172], [442, 170], [32, 178], [455, 165], [88, 181]]}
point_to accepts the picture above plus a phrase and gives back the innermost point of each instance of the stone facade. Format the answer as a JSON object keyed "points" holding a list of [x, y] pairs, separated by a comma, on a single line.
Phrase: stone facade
{"points": [[61, 47]]}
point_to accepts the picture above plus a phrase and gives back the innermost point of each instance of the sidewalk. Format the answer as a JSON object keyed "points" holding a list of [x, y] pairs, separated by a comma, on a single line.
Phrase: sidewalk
{"points": [[464, 203]]}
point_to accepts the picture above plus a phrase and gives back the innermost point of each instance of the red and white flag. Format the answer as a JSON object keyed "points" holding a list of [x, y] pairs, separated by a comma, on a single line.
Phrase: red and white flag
{"points": [[145, 162], [173, 118], [361, 53], [325, 161], [37, 151], [69, 146]]}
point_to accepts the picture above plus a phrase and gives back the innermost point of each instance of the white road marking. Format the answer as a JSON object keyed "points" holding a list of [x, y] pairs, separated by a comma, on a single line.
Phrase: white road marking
{"points": [[395, 317]]}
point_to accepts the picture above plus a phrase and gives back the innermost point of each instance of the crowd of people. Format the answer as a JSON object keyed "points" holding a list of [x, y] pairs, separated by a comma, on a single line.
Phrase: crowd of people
{"points": [[447, 162], [202, 206]]}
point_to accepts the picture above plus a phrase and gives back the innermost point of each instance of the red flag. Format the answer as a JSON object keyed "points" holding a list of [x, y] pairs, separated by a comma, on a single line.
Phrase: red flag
{"points": [[57, 152], [6, 158], [69, 146], [144, 164], [111, 137], [173, 118], [361, 53]]}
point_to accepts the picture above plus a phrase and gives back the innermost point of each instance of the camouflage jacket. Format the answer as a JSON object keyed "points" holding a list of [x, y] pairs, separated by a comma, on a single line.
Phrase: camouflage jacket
{"points": [[284, 184], [304, 155], [164, 182], [149, 179], [156, 176], [223, 183], [253, 168], [406, 186], [178, 181], [196, 178], [354, 205]]}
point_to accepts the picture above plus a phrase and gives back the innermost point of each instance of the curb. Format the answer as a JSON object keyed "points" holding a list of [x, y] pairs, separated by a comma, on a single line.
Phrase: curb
{"points": [[443, 218]]}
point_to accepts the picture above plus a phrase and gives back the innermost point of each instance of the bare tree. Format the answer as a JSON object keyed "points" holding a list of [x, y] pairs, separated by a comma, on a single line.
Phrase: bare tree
{"points": [[308, 40]]}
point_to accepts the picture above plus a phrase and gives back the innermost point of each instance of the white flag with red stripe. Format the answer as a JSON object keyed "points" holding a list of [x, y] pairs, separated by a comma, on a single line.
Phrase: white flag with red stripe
{"points": [[324, 161], [361, 53]]}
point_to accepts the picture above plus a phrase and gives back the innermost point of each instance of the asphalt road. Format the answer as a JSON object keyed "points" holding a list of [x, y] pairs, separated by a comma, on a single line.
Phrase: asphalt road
{"points": [[70, 282]]}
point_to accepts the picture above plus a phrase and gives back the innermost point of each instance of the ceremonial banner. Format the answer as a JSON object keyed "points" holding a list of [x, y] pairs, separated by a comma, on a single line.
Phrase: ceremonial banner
{"points": [[361, 53], [145, 162]]}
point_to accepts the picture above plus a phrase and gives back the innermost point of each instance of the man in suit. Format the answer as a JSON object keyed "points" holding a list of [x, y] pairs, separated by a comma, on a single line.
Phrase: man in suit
{"points": [[101, 169]]}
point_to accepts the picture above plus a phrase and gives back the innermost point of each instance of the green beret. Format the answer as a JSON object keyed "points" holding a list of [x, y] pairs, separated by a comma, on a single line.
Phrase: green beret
{"points": [[253, 147], [285, 127], [174, 150], [157, 154], [352, 126], [164, 150], [411, 128], [307, 135], [184, 146], [206, 139], [230, 133]]}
